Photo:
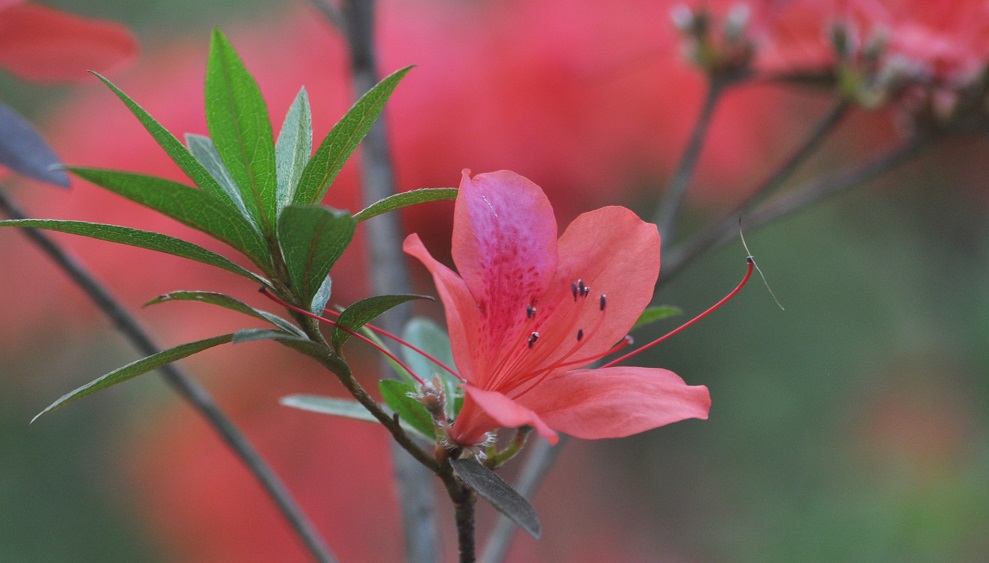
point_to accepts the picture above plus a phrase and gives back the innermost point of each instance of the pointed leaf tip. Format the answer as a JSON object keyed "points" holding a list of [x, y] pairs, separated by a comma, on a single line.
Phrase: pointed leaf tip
{"points": [[500, 494]]}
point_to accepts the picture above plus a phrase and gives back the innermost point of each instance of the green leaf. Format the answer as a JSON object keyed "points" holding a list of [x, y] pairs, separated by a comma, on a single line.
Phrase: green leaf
{"points": [[500, 494], [293, 148], [430, 338], [203, 149], [228, 302], [238, 123], [363, 312], [322, 296], [406, 199], [341, 407], [304, 346], [396, 395], [186, 205], [135, 369], [653, 314], [178, 153], [343, 139], [141, 239], [312, 239]]}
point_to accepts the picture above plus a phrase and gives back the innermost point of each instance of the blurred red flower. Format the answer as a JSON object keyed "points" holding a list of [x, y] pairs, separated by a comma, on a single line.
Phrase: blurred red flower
{"points": [[43, 44]]}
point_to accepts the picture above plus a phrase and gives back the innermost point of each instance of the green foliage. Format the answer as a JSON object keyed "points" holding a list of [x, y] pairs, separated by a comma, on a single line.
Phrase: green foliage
{"points": [[238, 122], [343, 139], [406, 199], [430, 338], [135, 369], [293, 148], [396, 395], [312, 239], [653, 314], [186, 205], [341, 407], [500, 494], [141, 239], [228, 302], [203, 149], [364, 311]]}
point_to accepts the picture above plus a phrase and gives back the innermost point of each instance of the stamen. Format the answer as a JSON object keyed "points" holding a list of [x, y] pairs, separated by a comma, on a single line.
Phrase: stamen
{"points": [[573, 289], [533, 338], [604, 301], [711, 309], [583, 289], [580, 334], [408, 345], [264, 291], [530, 311]]}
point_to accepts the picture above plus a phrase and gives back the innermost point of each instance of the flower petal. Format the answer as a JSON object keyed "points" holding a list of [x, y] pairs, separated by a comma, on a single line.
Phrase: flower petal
{"points": [[615, 402], [615, 254], [504, 246], [505, 412], [44, 44], [462, 319]]}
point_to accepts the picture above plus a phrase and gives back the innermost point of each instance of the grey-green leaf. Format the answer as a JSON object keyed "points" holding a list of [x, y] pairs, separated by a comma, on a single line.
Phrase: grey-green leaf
{"points": [[141, 239], [340, 407], [653, 314], [500, 494], [293, 148], [343, 139], [430, 338], [363, 312], [186, 205], [406, 199], [135, 369], [238, 123], [178, 153], [312, 239], [228, 302], [203, 149], [396, 395]]}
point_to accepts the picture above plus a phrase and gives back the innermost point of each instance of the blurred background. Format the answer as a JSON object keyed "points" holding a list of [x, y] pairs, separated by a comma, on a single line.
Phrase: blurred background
{"points": [[851, 426]]}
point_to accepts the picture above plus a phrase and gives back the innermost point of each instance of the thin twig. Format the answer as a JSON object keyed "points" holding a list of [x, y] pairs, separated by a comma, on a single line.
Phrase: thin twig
{"points": [[801, 197], [700, 243], [389, 274], [537, 465], [676, 192], [332, 13], [184, 385]]}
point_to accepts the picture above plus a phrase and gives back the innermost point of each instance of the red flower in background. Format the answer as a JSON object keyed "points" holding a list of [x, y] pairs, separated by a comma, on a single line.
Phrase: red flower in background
{"points": [[43, 44], [530, 311]]}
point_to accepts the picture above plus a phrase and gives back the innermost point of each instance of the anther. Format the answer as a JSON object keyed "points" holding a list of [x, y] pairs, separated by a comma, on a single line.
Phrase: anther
{"points": [[580, 334], [530, 311], [533, 338], [582, 289], [604, 301], [573, 289]]}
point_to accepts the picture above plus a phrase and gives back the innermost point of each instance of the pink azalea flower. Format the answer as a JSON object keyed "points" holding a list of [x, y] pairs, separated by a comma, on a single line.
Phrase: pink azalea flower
{"points": [[42, 44], [528, 312]]}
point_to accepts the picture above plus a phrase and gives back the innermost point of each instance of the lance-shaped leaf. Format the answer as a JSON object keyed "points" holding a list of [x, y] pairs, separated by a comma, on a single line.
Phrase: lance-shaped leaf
{"points": [[241, 130], [203, 149], [141, 239], [306, 347], [364, 311], [172, 146], [343, 139], [312, 239], [189, 206], [653, 314], [406, 199], [228, 302], [340, 407], [135, 369], [499, 493], [293, 148], [24, 151], [396, 395]]}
